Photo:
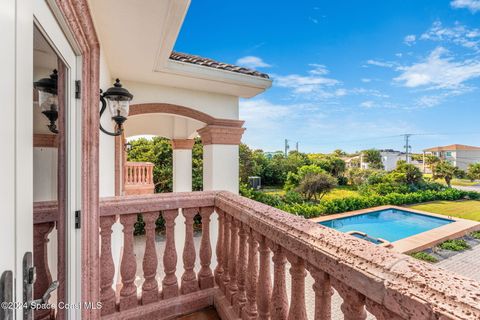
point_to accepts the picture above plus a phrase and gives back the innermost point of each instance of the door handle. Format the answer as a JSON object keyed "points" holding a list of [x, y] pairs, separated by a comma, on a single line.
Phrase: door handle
{"points": [[6, 296]]}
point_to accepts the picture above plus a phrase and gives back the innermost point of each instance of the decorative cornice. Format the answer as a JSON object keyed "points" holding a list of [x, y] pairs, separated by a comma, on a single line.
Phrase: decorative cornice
{"points": [[213, 134], [41, 140], [182, 144]]}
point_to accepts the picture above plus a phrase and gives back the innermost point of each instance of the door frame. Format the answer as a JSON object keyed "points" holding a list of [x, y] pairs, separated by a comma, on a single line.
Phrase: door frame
{"points": [[75, 16]]}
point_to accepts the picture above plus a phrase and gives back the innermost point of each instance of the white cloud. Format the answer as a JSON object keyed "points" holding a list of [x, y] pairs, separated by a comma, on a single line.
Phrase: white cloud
{"points": [[384, 64], [439, 71], [313, 20], [367, 104], [314, 82], [472, 5], [410, 39], [459, 35], [366, 80], [252, 62]]}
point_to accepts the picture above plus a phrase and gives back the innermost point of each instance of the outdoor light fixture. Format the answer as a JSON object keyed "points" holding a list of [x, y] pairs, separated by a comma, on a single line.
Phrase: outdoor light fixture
{"points": [[118, 99], [48, 99]]}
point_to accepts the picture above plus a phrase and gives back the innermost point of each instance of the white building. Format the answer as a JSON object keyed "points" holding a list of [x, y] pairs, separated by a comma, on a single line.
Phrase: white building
{"points": [[458, 155], [390, 159]]}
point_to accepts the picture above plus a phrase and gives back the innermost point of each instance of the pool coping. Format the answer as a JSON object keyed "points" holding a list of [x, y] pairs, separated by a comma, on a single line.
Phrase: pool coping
{"points": [[420, 241]]}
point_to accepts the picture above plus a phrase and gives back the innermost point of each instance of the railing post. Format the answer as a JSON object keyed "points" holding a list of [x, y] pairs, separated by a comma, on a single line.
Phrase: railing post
{"points": [[297, 305], [128, 293], [241, 297], [226, 248], [353, 306], [264, 291], [232, 263], [44, 277], [107, 266], [250, 310], [150, 286], [279, 294], [170, 283], [205, 276], [323, 294], [219, 248], [189, 279]]}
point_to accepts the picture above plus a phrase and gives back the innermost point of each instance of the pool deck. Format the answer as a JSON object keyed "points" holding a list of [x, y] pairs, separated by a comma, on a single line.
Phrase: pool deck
{"points": [[420, 241]]}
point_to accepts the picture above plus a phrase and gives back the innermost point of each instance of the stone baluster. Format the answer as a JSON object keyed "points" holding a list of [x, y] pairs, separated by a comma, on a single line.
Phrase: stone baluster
{"points": [[205, 276], [189, 278], [40, 256], [323, 294], [353, 306], [126, 176], [142, 174], [219, 248], [107, 266], [297, 305], [264, 289], [169, 283], [232, 263], [279, 308], [226, 248], [250, 310], [150, 285], [241, 297], [380, 312], [128, 268]]}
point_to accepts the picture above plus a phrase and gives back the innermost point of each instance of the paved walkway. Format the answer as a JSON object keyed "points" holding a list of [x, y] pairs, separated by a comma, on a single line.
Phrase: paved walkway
{"points": [[475, 188], [466, 263]]}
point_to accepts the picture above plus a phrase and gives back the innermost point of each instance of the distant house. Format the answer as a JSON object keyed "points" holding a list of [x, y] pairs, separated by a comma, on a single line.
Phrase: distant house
{"points": [[390, 158], [459, 155]]}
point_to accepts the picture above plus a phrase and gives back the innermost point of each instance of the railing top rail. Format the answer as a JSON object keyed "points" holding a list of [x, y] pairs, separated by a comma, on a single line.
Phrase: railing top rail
{"points": [[156, 202], [410, 288], [44, 211], [139, 164]]}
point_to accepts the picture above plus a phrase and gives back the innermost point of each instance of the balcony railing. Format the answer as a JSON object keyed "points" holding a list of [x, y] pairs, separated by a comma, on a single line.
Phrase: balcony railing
{"points": [[138, 178], [256, 241]]}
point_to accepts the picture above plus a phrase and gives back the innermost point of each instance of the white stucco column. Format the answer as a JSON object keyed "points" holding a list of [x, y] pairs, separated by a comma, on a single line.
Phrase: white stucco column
{"points": [[220, 157], [182, 164]]}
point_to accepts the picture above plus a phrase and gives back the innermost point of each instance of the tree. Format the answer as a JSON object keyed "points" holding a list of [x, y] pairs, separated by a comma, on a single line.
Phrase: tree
{"points": [[473, 172], [339, 153], [431, 161], [332, 164], [413, 175], [444, 170], [373, 158], [293, 179], [316, 185]]}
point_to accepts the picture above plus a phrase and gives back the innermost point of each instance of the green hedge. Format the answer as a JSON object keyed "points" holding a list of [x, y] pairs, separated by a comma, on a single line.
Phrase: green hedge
{"points": [[326, 207]]}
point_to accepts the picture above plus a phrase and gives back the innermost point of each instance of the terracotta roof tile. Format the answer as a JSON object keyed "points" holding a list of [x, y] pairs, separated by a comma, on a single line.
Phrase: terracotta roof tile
{"points": [[452, 147], [189, 58]]}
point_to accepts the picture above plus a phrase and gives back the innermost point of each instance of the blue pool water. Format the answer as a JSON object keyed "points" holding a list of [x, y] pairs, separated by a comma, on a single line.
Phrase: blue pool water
{"points": [[388, 224]]}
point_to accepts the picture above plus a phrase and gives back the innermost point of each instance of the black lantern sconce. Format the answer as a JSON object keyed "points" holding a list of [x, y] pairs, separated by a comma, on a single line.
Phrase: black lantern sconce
{"points": [[48, 99], [127, 147], [118, 100]]}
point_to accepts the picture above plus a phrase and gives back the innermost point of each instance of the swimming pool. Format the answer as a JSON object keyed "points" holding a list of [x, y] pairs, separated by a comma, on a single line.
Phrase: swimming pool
{"points": [[389, 224]]}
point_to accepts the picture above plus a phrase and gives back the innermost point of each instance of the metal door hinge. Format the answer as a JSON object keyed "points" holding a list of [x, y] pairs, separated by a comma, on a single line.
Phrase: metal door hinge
{"points": [[78, 89], [78, 219], [6, 295]]}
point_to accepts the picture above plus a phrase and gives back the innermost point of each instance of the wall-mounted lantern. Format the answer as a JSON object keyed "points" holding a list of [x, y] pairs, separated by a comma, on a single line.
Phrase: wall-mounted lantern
{"points": [[118, 100], [48, 99], [127, 147]]}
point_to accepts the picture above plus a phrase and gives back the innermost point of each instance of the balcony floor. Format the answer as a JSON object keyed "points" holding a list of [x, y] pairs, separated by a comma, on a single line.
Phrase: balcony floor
{"points": [[206, 314]]}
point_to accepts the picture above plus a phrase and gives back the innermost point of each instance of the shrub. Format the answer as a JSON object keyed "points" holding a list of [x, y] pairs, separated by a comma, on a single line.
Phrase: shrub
{"points": [[424, 256], [316, 184], [454, 245], [475, 235]]}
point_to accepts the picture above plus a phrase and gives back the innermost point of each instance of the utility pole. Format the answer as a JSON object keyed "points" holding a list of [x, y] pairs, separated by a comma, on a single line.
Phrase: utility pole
{"points": [[286, 148], [296, 146], [407, 147]]}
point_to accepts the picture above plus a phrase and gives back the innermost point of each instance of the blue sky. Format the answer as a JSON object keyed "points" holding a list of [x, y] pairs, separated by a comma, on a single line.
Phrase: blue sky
{"points": [[349, 74]]}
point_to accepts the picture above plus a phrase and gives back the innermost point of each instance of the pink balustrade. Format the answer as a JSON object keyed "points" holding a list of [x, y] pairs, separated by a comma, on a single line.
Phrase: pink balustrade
{"points": [[138, 178], [258, 246]]}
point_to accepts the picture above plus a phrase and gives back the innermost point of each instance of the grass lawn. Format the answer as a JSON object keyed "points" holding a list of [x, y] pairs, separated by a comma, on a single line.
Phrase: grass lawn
{"points": [[467, 209], [338, 192]]}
